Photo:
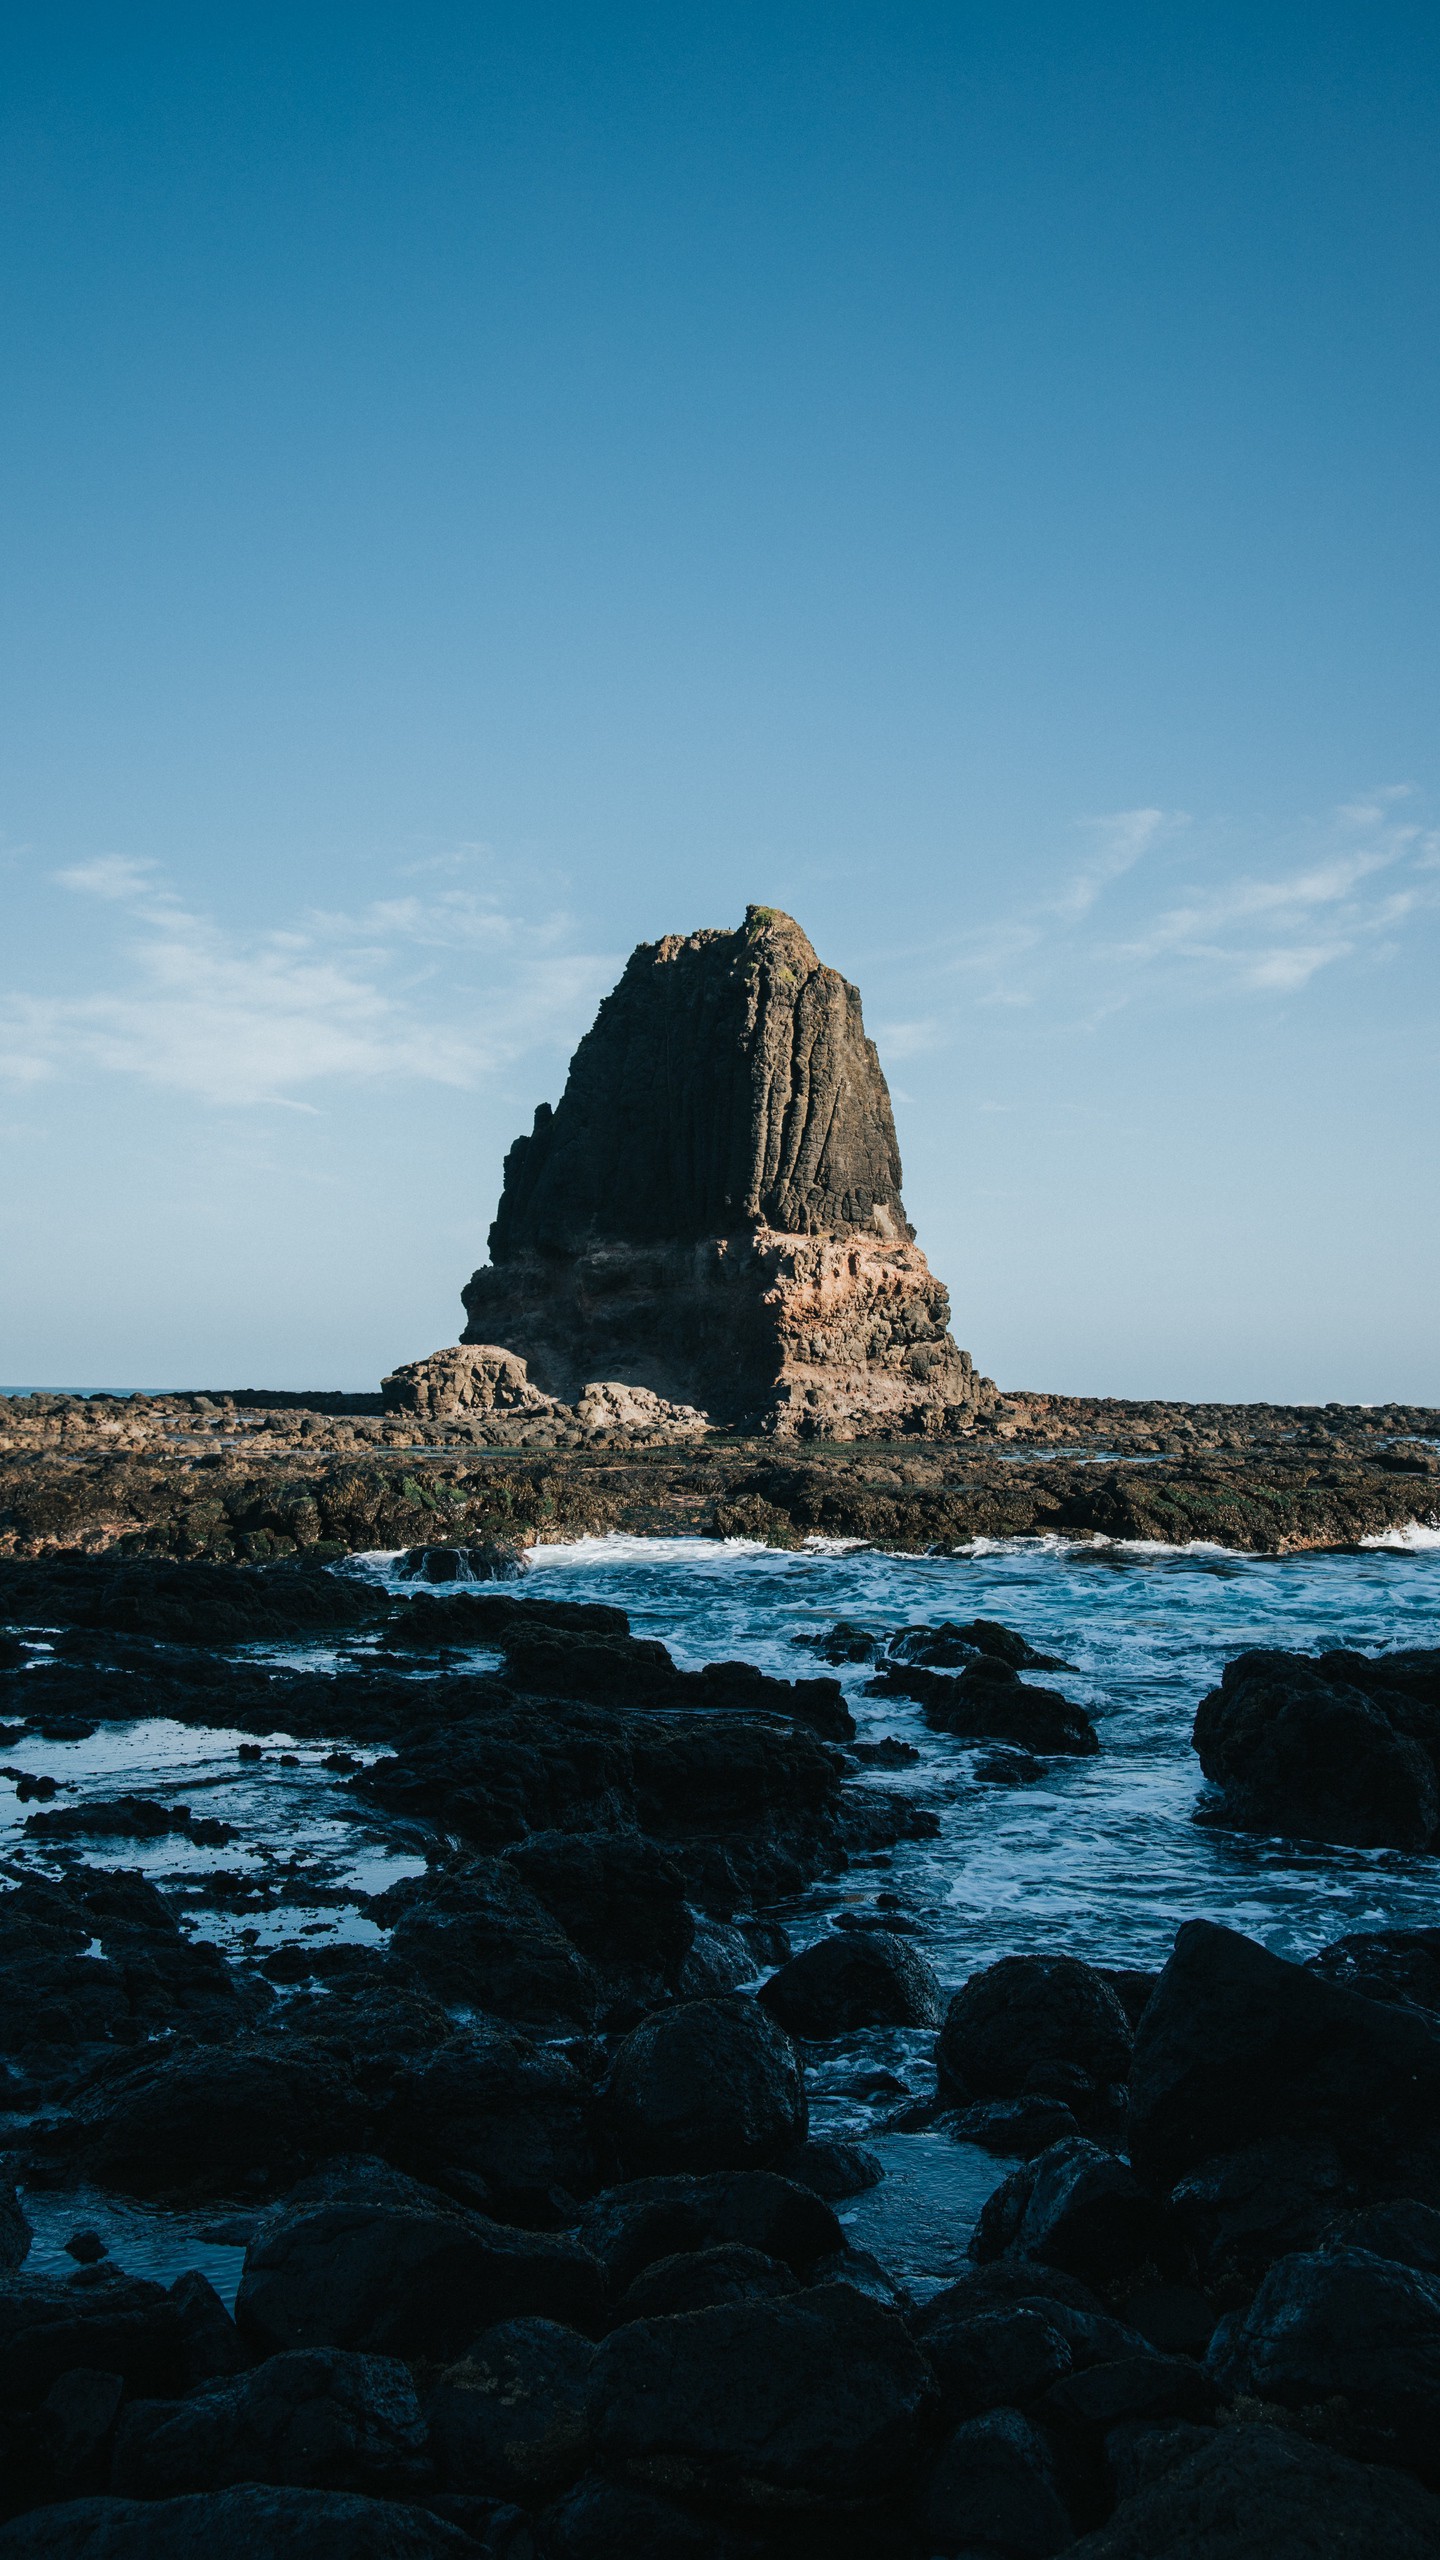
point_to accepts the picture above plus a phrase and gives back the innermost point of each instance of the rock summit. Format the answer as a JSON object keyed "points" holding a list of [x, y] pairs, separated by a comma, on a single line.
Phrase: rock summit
{"points": [[712, 1212]]}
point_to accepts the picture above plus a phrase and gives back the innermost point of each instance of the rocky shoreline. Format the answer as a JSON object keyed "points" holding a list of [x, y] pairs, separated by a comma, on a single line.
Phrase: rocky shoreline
{"points": [[542, 2257], [248, 1476]]}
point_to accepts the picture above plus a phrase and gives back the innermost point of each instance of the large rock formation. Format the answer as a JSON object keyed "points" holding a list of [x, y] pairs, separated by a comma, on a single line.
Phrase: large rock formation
{"points": [[713, 1209]]}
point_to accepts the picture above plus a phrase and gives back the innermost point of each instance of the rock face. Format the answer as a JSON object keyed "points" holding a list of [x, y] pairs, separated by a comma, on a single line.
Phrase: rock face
{"points": [[713, 1210]]}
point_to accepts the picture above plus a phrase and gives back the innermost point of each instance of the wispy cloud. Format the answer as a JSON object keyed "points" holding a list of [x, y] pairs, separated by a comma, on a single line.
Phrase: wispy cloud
{"points": [[267, 1018], [1166, 903]]}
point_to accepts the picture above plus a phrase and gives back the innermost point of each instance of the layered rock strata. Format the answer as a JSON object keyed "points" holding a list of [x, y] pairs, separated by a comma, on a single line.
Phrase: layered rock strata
{"points": [[713, 1209]]}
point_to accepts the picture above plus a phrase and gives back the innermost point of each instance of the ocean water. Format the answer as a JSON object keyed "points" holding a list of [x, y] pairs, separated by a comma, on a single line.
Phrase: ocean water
{"points": [[1101, 1858]]}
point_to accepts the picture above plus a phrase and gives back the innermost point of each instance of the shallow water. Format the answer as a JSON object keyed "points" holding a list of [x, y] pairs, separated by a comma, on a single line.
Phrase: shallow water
{"points": [[1100, 1858]]}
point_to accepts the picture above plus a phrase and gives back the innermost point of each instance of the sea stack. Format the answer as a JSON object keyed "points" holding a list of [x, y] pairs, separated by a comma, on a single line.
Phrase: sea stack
{"points": [[712, 1211]]}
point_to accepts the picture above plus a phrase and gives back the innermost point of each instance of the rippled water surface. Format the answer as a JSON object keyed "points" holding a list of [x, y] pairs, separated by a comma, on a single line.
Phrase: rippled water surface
{"points": [[1103, 1857]]}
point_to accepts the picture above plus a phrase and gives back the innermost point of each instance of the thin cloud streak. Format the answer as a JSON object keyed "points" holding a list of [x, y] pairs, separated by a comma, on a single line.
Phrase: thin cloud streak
{"points": [[245, 1020]]}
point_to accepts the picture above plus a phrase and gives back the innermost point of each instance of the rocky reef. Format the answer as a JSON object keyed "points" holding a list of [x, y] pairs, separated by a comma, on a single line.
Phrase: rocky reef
{"points": [[713, 1213]]}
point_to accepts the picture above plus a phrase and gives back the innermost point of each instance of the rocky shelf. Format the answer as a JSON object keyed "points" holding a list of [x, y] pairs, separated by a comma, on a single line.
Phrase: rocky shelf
{"points": [[246, 1476]]}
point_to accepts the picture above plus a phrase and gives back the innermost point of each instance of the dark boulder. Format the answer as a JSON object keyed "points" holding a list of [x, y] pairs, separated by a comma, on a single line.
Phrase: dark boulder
{"points": [[1078, 2208], [388, 2269], [192, 1604], [991, 1703], [870, 1978], [603, 2519], [1253, 2493], [506, 2117], [1238, 2046], [1241, 2212], [1407, 2232], [1340, 2327], [15, 2232], [992, 2490], [509, 2420], [313, 2419], [1022, 2017], [816, 2400], [633, 2226], [834, 2170], [1066, 2306], [1401, 1965], [951, 1646], [1311, 1749], [211, 2115], [1014, 2128], [157, 2340], [617, 1896], [475, 1934], [234, 2524], [699, 2279], [998, 2359], [710, 2084]]}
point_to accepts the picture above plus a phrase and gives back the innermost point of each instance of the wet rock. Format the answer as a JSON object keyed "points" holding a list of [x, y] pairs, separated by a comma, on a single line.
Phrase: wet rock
{"points": [[495, 1560], [710, 2084], [834, 2170], [1175, 2319], [1025, 2015], [509, 2420], [234, 2524], [699, 2279], [854, 1979], [1149, 2386], [157, 2341], [998, 2359], [492, 1618], [199, 1604], [990, 1703], [1133, 1988], [818, 2399], [992, 2489], [393, 2270], [1403, 2230], [1252, 2493], [146, 1978], [15, 2232], [841, 1643], [313, 2419], [509, 2116], [951, 1646], [1401, 1965], [721, 1958], [211, 2116], [1005, 1768], [1079, 2208], [633, 2226], [606, 2520], [1321, 1750], [73, 2428], [1014, 2127], [1241, 2212], [618, 1898], [475, 1934], [1007, 2284], [1339, 2326], [1237, 2046]]}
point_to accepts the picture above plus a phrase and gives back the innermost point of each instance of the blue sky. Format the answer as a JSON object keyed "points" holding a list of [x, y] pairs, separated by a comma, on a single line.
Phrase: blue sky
{"points": [[480, 487]]}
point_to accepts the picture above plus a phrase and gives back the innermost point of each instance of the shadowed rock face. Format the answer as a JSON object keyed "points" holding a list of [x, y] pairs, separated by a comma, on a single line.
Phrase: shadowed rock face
{"points": [[727, 1085], [713, 1210]]}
